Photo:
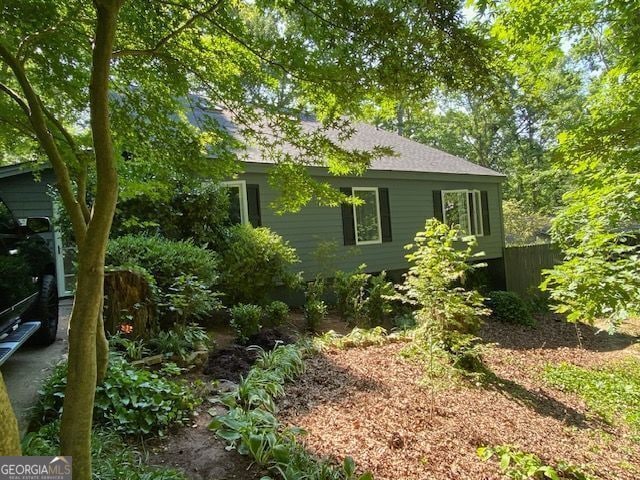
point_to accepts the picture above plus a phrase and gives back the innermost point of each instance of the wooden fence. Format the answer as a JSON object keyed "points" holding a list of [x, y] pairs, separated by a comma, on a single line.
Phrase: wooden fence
{"points": [[523, 266]]}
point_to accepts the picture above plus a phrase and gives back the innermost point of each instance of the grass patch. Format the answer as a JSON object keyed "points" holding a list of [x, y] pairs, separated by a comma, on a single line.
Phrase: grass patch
{"points": [[612, 392]]}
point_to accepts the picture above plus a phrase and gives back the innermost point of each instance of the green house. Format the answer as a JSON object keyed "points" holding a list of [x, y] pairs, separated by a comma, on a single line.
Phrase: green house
{"points": [[399, 192]]}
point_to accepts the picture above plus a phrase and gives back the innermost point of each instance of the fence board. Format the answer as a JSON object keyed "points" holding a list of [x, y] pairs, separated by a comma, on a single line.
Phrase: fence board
{"points": [[524, 265]]}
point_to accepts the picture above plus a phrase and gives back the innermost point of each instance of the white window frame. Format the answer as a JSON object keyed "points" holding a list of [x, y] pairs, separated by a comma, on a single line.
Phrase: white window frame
{"points": [[355, 216], [477, 209], [244, 208]]}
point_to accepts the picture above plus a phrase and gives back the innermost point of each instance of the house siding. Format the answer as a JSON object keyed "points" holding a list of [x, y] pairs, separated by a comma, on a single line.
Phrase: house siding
{"points": [[411, 203], [27, 195]]}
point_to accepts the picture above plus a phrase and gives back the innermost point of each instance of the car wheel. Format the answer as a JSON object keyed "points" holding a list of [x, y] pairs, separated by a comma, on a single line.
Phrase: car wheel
{"points": [[46, 310]]}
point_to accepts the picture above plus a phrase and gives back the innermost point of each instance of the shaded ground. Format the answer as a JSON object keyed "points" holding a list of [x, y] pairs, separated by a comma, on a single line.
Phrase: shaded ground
{"points": [[200, 455], [368, 403], [196, 450]]}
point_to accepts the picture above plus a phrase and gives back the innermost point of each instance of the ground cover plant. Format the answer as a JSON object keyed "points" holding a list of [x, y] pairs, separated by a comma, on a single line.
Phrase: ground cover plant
{"points": [[518, 465], [610, 391], [362, 299], [113, 459], [131, 401], [250, 425]]}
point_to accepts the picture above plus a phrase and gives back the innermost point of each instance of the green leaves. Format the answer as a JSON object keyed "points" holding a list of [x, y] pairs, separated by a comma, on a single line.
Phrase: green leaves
{"points": [[518, 465]]}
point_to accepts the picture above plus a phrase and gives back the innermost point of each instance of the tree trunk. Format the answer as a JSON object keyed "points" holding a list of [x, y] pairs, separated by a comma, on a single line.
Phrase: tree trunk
{"points": [[84, 340], [9, 434]]}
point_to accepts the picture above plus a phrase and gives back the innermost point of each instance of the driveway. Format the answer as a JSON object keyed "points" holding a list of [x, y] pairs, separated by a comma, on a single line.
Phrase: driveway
{"points": [[25, 371]]}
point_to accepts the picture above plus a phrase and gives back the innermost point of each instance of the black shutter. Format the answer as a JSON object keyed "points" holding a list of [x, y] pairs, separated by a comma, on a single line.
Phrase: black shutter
{"points": [[473, 228], [253, 204], [437, 204], [486, 225], [348, 227], [385, 214]]}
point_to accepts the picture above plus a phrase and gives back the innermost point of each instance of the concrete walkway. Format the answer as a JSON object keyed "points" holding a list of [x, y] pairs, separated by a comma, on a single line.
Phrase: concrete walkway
{"points": [[25, 371]]}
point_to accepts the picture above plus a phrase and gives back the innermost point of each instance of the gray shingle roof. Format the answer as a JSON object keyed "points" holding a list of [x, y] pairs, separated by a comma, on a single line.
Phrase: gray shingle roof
{"points": [[411, 156]]}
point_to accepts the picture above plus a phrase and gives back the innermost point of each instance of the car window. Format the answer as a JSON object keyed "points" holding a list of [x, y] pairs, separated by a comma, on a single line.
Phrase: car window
{"points": [[7, 222]]}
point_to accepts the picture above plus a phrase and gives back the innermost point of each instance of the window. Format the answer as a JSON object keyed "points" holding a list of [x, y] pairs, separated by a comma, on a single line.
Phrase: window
{"points": [[238, 211], [464, 209], [367, 216]]}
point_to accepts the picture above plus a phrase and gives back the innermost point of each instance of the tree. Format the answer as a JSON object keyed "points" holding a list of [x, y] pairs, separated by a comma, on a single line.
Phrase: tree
{"points": [[9, 435], [597, 225], [106, 91]]}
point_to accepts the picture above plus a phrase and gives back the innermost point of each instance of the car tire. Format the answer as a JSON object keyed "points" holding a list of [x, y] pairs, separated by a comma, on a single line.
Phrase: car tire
{"points": [[46, 311]]}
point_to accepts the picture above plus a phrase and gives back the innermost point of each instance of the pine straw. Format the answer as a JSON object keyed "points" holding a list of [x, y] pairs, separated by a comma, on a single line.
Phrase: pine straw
{"points": [[368, 403]]}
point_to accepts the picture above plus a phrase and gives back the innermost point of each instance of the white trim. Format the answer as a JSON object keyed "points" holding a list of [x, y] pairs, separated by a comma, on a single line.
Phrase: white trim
{"points": [[244, 208], [58, 246], [477, 208], [355, 216]]}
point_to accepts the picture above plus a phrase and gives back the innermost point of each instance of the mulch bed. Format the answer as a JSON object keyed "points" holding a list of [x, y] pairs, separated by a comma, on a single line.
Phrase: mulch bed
{"points": [[369, 404]]}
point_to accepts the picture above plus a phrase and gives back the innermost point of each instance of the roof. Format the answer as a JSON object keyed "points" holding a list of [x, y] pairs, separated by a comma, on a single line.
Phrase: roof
{"points": [[410, 155], [19, 168]]}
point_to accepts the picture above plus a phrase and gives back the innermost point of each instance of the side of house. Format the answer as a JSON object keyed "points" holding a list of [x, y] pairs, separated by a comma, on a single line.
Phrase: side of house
{"points": [[398, 204]]}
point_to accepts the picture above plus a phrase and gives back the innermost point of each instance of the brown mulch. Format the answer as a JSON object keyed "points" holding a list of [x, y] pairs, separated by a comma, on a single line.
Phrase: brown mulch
{"points": [[369, 404]]}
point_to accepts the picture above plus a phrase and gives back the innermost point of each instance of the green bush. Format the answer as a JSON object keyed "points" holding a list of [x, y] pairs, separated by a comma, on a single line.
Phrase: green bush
{"points": [[184, 274], [276, 313], [447, 314], [181, 340], [166, 260], [254, 261], [378, 302], [130, 400], [189, 299], [199, 213], [315, 309], [112, 458], [349, 289], [245, 320], [508, 307]]}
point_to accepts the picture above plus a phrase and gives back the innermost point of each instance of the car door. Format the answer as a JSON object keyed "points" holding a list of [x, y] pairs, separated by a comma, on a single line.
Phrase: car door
{"points": [[18, 280]]}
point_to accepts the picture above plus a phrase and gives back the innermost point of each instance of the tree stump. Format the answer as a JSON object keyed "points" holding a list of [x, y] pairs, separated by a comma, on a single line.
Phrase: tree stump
{"points": [[129, 305]]}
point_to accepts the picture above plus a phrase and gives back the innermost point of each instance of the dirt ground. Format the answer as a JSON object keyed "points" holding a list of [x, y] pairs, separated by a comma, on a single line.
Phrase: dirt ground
{"points": [[368, 403]]}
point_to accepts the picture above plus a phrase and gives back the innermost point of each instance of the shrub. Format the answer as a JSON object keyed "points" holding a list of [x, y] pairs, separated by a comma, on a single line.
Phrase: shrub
{"points": [[378, 302], [276, 313], [199, 213], [255, 261], [447, 315], [315, 309], [165, 260], [184, 274], [112, 458], [180, 341], [349, 288], [130, 400], [245, 320], [189, 299], [508, 307]]}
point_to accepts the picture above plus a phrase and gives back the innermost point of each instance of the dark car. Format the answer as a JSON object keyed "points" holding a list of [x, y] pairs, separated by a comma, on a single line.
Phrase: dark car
{"points": [[28, 290]]}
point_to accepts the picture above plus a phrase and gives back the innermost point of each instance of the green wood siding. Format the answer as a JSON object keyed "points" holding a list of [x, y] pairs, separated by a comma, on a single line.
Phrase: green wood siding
{"points": [[411, 203]]}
